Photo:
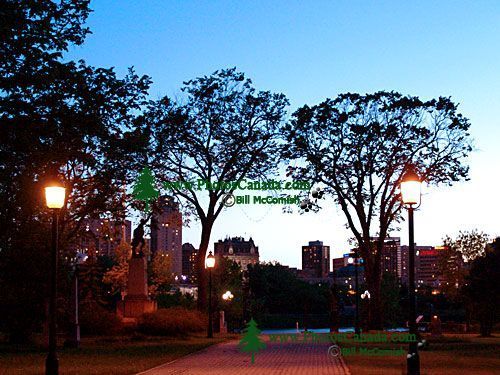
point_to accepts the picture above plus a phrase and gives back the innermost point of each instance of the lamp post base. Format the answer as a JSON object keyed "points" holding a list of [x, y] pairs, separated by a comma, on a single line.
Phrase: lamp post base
{"points": [[74, 340], [413, 364], [52, 364]]}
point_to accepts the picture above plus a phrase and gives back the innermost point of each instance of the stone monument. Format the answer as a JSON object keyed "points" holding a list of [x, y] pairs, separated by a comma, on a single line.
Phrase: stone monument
{"points": [[136, 302]]}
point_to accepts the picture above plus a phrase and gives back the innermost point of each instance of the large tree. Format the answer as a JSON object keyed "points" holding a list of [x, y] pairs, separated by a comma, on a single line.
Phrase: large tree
{"points": [[56, 117], [469, 244], [457, 252], [60, 117], [359, 146], [221, 130]]}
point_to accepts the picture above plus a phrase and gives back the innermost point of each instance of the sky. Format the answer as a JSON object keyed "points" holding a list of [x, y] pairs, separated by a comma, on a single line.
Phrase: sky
{"points": [[313, 50]]}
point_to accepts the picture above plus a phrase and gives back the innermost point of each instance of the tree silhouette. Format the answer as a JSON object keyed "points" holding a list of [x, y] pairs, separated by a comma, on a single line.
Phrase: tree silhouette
{"points": [[250, 343], [482, 288], [67, 119], [359, 147], [144, 188], [224, 130]]}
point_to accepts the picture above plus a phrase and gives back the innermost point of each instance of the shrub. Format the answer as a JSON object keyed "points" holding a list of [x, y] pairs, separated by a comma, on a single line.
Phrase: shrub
{"points": [[178, 299], [96, 320], [172, 322]]}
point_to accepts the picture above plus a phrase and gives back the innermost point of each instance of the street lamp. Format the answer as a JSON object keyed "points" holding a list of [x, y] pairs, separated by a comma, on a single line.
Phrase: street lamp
{"points": [[410, 196], [210, 263], [54, 196], [355, 260], [73, 340], [366, 296], [227, 296]]}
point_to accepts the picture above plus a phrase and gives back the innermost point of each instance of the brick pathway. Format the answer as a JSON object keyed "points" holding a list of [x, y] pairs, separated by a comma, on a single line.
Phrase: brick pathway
{"points": [[288, 358]]}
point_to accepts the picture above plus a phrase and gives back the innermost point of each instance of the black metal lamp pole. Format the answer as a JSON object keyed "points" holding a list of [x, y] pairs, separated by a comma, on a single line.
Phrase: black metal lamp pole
{"points": [[411, 195], [413, 359], [210, 333], [73, 340], [52, 362]]}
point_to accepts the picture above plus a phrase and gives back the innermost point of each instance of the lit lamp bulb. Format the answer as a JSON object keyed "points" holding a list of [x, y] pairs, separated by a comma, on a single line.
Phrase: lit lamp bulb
{"points": [[210, 260], [227, 296], [54, 196], [411, 188]]}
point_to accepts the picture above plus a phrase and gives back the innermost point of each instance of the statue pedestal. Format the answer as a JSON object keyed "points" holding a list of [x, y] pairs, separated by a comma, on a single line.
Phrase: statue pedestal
{"points": [[137, 301]]}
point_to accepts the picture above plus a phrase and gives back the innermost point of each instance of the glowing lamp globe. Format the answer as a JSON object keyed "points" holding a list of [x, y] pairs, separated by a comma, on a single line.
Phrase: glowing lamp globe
{"points": [[210, 260], [54, 196], [411, 188], [227, 296]]}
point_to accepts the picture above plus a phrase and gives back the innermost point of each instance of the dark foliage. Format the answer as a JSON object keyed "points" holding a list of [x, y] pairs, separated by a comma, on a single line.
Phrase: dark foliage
{"points": [[222, 130], [274, 289], [483, 288], [62, 118], [359, 146]]}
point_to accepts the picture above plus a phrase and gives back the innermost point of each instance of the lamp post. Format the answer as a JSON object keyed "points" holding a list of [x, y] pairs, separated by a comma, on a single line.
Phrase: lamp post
{"points": [[73, 340], [227, 297], [54, 196], [410, 196], [366, 294], [354, 260], [210, 263]]}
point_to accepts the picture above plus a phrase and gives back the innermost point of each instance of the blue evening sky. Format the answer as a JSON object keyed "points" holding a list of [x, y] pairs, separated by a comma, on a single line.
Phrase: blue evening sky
{"points": [[311, 50]]}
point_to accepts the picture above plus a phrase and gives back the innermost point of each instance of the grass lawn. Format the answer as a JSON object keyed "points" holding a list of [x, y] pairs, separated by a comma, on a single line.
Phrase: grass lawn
{"points": [[116, 355], [451, 354]]}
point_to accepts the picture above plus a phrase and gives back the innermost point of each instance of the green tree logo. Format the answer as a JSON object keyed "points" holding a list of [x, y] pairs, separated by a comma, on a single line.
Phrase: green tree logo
{"points": [[251, 343], [144, 188]]}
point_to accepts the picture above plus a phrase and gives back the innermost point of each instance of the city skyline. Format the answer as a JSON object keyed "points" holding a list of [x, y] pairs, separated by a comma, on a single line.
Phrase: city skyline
{"points": [[295, 49]]}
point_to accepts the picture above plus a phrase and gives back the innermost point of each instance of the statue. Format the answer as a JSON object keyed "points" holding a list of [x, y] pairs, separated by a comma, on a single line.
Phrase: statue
{"points": [[136, 302], [139, 240]]}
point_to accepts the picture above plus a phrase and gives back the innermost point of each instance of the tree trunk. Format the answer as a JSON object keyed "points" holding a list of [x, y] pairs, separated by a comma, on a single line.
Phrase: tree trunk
{"points": [[334, 308], [373, 277], [206, 229], [375, 307], [486, 322], [484, 329]]}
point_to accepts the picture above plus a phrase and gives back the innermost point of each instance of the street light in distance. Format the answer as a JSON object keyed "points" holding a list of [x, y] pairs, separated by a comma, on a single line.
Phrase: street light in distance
{"points": [[210, 263]]}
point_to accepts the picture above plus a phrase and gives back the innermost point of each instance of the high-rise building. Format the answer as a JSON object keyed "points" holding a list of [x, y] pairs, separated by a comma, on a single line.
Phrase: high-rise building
{"points": [[166, 232], [316, 260], [346, 276], [390, 258], [237, 249], [426, 265], [102, 236], [338, 263], [189, 261]]}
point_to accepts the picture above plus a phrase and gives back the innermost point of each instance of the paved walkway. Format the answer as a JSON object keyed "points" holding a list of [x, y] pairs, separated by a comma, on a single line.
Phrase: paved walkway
{"points": [[287, 358]]}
